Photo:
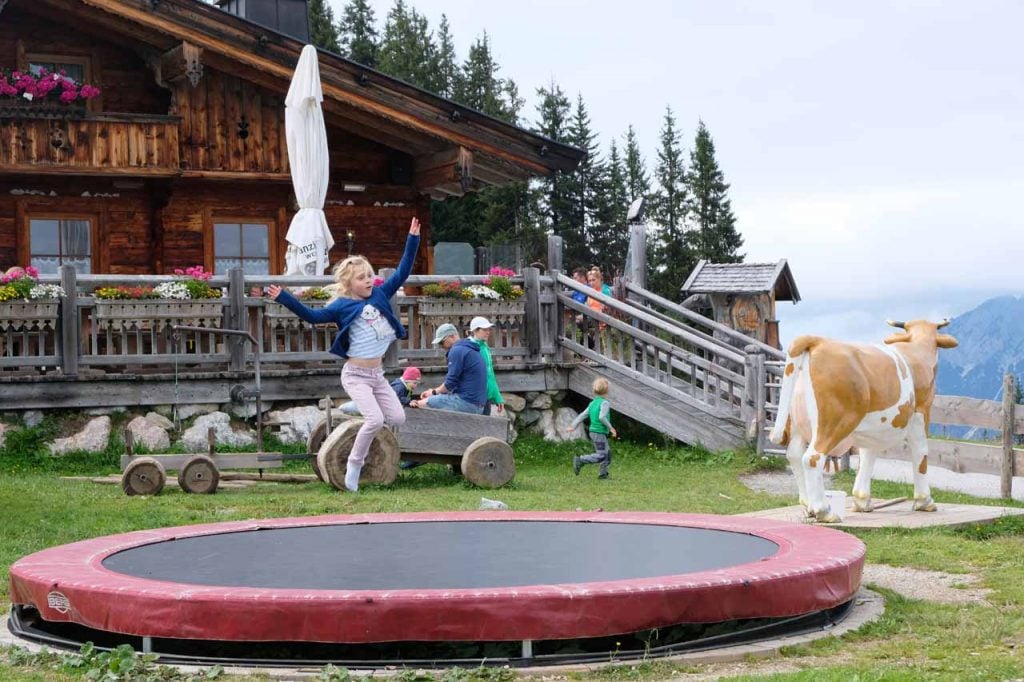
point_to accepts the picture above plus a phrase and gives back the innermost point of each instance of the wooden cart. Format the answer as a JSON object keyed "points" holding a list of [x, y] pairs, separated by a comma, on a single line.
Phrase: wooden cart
{"points": [[476, 446]]}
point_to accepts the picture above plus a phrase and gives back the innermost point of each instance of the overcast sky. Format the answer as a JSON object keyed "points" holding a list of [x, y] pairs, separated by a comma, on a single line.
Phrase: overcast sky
{"points": [[876, 145]]}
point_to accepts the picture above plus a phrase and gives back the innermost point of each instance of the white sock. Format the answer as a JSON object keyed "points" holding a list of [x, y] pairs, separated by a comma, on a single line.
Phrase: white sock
{"points": [[352, 472]]}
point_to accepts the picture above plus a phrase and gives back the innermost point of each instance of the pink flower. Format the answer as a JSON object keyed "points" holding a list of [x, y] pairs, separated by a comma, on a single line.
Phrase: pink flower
{"points": [[32, 272], [377, 281], [88, 92]]}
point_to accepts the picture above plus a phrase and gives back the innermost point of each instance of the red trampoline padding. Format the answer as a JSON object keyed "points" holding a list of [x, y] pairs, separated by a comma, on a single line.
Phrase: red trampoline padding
{"points": [[814, 569]]}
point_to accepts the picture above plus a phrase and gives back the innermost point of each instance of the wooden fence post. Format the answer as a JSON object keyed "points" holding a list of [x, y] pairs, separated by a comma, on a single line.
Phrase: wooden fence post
{"points": [[555, 254], [1009, 403], [636, 268], [532, 318], [70, 322], [237, 319], [391, 356], [753, 409]]}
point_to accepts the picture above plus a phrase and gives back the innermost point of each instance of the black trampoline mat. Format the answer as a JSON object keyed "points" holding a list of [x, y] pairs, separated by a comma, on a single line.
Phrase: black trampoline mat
{"points": [[439, 555]]}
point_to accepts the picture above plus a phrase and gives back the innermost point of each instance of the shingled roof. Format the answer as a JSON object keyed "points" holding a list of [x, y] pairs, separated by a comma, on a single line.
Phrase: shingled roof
{"points": [[742, 278]]}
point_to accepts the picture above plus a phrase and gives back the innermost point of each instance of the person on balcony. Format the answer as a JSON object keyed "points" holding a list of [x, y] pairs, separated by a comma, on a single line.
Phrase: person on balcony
{"points": [[465, 385], [366, 328]]}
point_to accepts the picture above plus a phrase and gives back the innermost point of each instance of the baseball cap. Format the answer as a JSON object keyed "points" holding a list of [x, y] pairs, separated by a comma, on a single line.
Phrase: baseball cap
{"points": [[412, 374], [480, 323], [446, 329]]}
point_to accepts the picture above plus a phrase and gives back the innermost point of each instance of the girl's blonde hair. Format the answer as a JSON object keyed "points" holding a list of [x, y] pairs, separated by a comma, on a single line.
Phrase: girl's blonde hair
{"points": [[344, 271], [600, 386]]}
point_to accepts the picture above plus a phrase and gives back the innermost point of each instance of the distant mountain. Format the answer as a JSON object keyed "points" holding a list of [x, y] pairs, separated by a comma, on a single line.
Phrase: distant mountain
{"points": [[991, 340]]}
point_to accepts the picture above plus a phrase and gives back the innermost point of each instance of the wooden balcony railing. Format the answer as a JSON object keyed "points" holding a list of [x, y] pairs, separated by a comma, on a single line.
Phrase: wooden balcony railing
{"points": [[129, 144]]}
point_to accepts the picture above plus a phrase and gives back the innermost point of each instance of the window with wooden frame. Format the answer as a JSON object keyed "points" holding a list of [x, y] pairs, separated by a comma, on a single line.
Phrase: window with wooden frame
{"points": [[76, 66], [61, 239], [245, 243]]}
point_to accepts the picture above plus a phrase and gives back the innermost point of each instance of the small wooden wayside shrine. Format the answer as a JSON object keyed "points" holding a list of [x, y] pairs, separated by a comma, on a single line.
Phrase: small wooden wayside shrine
{"points": [[742, 296]]}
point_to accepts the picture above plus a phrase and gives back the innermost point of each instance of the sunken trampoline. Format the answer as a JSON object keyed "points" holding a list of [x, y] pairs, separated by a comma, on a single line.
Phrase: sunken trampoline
{"points": [[513, 588]]}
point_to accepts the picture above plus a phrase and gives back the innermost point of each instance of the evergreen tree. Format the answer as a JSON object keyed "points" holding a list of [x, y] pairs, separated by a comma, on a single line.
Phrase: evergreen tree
{"points": [[555, 201], [480, 87], [357, 33], [637, 183], [610, 233], [714, 236], [582, 188], [671, 257], [449, 78], [322, 31], [407, 50]]}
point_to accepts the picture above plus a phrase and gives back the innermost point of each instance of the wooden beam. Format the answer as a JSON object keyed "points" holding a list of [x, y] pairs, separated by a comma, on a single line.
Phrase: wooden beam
{"points": [[237, 176], [452, 166], [31, 169], [180, 62]]}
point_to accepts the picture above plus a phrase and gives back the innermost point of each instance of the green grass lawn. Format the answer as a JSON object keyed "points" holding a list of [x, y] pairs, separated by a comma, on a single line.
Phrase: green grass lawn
{"points": [[914, 640]]}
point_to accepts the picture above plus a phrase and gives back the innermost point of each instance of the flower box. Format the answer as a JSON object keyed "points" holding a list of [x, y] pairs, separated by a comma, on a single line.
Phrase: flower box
{"points": [[35, 315], [192, 312], [460, 312], [45, 109]]}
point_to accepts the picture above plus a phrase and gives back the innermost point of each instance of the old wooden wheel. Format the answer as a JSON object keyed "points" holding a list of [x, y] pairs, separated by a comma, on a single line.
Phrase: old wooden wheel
{"points": [[199, 475], [381, 464], [143, 476], [314, 442], [488, 463]]}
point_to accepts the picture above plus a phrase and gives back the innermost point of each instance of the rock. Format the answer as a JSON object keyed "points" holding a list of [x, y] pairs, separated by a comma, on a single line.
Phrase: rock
{"points": [[164, 410], [93, 438], [160, 420], [246, 410], [559, 396], [512, 434], [192, 409], [546, 426], [514, 402], [531, 395], [32, 418], [564, 417], [3, 433], [541, 402], [149, 435], [194, 438], [99, 411], [527, 417], [334, 402], [553, 392], [296, 423]]}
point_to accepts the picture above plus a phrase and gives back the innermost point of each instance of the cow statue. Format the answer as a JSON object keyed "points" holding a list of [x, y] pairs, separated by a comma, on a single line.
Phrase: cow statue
{"points": [[837, 394]]}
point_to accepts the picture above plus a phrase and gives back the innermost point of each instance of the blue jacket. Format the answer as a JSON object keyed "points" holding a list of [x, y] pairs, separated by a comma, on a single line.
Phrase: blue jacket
{"points": [[467, 372], [405, 396], [344, 311]]}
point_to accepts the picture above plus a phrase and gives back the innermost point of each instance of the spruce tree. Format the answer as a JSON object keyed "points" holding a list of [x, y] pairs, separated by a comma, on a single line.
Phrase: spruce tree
{"points": [[322, 31], [407, 51], [480, 87], [357, 33], [555, 202], [671, 257], [582, 187], [714, 236], [610, 233], [448, 74], [638, 185]]}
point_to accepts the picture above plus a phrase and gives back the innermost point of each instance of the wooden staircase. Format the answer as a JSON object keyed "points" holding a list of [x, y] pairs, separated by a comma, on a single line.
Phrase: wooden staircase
{"points": [[670, 368]]}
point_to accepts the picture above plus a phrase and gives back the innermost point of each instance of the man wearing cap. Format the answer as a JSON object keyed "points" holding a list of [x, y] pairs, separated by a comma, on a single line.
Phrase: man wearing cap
{"points": [[465, 385], [480, 332]]}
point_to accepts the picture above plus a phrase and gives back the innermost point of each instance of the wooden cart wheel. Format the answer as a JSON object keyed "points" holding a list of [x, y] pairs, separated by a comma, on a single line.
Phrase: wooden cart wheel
{"points": [[199, 475], [143, 476], [381, 464], [313, 444], [488, 463]]}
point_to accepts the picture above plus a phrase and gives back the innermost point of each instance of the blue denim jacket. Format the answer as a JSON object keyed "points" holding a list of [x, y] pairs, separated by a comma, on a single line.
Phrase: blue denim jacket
{"points": [[344, 311]]}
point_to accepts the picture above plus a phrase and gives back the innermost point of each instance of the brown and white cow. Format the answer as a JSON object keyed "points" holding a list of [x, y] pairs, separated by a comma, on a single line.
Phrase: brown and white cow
{"points": [[837, 394]]}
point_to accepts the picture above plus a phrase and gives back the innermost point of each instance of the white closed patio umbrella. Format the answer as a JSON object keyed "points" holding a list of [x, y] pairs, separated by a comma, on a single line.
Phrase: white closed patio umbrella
{"points": [[309, 239]]}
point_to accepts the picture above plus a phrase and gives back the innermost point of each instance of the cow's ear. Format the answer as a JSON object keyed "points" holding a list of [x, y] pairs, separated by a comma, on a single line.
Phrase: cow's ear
{"points": [[945, 341], [898, 337]]}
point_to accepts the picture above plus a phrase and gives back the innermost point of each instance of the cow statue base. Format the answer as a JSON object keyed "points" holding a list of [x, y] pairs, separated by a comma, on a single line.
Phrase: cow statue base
{"points": [[836, 395]]}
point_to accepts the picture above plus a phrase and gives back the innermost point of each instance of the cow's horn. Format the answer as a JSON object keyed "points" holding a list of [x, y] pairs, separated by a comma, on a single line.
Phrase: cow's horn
{"points": [[898, 325], [944, 323]]}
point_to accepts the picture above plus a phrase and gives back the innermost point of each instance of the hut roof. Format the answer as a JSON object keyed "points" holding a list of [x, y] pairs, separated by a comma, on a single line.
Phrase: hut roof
{"points": [[742, 278]]}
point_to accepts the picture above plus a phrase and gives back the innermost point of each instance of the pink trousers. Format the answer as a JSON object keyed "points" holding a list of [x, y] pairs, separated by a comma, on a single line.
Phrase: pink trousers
{"points": [[376, 401]]}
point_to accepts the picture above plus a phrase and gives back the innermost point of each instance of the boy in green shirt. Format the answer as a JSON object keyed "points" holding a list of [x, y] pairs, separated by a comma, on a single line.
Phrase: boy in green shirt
{"points": [[480, 332], [600, 426]]}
